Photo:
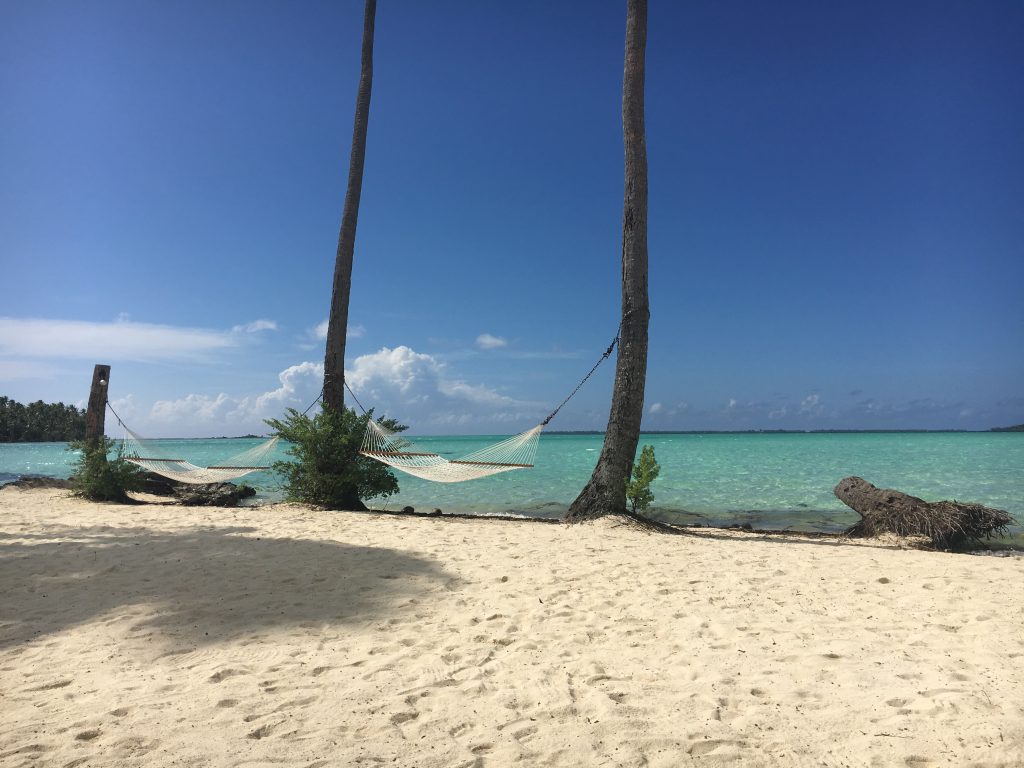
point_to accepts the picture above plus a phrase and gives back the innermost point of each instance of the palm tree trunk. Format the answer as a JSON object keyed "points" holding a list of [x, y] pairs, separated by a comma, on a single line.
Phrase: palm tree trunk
{"points": [[605, 493], [337, 324]]}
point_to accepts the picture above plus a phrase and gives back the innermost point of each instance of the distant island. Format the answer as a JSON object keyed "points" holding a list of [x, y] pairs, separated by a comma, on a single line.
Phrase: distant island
{"points": [[1014, 428]]}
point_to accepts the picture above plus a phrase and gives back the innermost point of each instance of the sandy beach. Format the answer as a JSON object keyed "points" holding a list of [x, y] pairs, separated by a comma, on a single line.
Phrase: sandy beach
{"points": [[278, 635]]}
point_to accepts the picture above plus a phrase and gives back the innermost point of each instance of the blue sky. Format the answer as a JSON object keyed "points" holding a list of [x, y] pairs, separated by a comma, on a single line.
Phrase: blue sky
{"points": [[836, 210]]}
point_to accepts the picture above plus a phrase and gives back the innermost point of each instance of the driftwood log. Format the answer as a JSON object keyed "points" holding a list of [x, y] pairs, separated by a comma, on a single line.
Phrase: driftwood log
{"points": [[949, 524], [191, 495]]}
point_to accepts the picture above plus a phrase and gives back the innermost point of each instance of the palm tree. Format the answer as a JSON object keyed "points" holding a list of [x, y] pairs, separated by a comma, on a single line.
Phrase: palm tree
{"points": [[337, 323], [605, 493]]}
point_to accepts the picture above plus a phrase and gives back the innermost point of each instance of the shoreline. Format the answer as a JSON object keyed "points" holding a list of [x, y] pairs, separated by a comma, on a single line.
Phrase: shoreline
{"points": [[1009, 544], [773, 482], [155, 634]]}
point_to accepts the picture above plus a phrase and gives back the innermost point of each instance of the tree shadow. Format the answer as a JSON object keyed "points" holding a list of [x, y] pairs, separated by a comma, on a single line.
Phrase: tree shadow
{"points": [[197, 586]]}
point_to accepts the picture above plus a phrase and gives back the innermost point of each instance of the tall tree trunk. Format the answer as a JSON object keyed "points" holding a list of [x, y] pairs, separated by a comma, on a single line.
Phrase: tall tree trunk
{"points": [[337, 324], [605, 493]]}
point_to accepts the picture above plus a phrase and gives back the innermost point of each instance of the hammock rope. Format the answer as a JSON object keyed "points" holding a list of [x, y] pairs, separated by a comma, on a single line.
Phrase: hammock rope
{"points": [[516, 452], [148, 455]]}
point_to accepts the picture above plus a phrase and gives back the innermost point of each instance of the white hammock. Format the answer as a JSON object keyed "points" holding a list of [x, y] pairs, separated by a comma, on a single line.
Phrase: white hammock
{"points": [[514, 453], [145, 454]]}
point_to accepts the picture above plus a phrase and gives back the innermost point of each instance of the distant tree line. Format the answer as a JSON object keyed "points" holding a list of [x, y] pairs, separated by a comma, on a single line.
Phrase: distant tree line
{"points": [[40, 422]]}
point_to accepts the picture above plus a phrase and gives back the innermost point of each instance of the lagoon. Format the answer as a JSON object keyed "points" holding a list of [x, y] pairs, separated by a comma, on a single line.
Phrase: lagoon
{"points": [[768, 480]]}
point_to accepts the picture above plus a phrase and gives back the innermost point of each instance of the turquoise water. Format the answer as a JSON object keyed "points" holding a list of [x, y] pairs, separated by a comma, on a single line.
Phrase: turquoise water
{"points": [[767, 480]]}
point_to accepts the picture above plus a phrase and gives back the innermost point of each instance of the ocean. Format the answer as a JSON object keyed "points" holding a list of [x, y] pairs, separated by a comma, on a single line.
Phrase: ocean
{"points": [[767, 480]]}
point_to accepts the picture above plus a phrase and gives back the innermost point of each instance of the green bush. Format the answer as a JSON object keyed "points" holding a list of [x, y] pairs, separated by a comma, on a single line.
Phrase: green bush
{"points": [[328, 470], [100, 477], [638, 487]]}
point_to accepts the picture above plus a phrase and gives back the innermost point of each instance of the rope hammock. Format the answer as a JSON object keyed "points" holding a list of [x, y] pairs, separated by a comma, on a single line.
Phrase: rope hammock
{"points": [[149, 456], [516, 452], [379, 443]]}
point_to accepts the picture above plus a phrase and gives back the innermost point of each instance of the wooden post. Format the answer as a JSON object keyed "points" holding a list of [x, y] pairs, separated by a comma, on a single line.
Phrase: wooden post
{"points": [[97, 410]]}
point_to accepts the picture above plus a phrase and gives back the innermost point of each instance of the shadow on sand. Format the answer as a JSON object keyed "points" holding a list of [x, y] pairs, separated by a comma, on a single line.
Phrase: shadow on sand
{"points": [[197, 586]]}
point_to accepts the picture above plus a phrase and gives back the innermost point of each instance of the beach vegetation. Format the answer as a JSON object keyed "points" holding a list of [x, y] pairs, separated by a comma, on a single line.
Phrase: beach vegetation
{"points": [[40, 422], [101, 472], [638, 485], [327, 469]]}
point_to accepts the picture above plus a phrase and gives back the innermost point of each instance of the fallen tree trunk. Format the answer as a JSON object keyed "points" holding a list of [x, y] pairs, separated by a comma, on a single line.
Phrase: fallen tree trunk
{"points": [[949, 524]]}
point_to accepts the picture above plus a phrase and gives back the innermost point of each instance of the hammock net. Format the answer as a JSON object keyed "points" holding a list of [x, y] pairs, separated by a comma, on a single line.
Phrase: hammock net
{"points": [[146, 454], [516, 452]]}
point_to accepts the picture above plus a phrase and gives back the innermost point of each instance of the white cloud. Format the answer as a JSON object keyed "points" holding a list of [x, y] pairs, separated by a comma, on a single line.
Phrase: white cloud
{"points": [[487, 341], [299, 383], [110, 341], [255, 326], [811, 406], [414, 387], [418, 388], [192, 409], [125, 408], [299, 386], [655, 408]]}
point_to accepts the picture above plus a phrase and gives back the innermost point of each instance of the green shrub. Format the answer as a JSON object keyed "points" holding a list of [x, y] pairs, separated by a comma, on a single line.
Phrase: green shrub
{"points": [[100, 477], [638, 487], [328, 470]]}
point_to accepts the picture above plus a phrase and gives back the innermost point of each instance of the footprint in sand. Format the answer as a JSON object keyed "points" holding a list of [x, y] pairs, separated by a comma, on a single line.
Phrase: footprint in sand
{"points": [[263, 731], [524, 734], [51, 686], [224, 674]]}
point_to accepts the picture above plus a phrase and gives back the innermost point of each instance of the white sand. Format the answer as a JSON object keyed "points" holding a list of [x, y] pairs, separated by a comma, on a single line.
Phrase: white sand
{"points": [[159, 635]]}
